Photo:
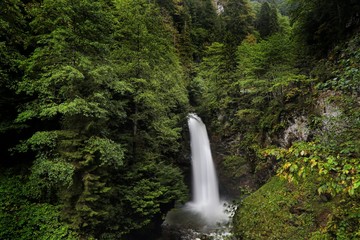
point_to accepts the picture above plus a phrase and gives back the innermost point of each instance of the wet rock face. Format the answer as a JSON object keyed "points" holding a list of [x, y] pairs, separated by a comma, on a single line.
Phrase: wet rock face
{"points": [[328, 108], [298, 130]]}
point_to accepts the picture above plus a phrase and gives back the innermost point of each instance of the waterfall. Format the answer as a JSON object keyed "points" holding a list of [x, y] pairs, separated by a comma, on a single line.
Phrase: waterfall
{"points": [[206, 200], [205, 216]]}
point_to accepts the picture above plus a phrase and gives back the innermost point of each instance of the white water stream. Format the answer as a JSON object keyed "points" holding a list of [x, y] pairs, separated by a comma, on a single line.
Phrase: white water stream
{"points": [[206, 200], [204, 217]]}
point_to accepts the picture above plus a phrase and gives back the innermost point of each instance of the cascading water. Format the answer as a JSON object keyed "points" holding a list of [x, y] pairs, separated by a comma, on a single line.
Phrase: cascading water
{"points": [[206, 200], [205, 216]]}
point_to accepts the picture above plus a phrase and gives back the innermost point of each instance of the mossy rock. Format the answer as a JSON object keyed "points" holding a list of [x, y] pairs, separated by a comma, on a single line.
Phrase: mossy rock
{"points": [[282, 210]]}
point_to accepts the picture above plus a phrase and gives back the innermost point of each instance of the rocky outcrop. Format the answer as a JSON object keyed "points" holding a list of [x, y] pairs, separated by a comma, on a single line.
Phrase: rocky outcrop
{"points": [[298, 130]]}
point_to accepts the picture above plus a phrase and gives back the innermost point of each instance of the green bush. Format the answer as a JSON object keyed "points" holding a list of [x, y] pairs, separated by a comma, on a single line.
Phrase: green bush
{"points": [[23, 219]]}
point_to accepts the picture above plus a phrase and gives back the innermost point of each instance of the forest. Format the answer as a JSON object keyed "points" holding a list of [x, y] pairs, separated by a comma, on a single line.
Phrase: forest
{"points": [[94, 99]]}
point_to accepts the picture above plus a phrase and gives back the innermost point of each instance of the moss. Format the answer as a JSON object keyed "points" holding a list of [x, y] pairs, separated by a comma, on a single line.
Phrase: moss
{"points": [[282, 210]]}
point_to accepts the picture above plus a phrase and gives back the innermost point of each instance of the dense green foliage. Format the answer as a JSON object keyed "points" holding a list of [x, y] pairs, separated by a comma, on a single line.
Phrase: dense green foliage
{"points": [[22, 218], [322, 24], [267, 21], [321, 200], [332, 157], [103, 96], [12, 41], [254, 95]]}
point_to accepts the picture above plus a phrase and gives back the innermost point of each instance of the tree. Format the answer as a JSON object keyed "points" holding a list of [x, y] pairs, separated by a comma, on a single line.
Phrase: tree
{"points": [[267, 20], [146, 61], [71, 83], [12, 40], [322, 24], [203, 25], [266, 75], [104, 96], [214, 79], [237, 23]]}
